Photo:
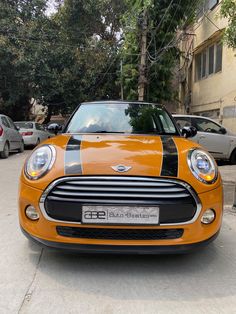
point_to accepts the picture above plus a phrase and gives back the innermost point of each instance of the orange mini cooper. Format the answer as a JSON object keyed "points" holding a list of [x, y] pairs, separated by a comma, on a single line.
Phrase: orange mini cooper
{"points": [[121, 178]]}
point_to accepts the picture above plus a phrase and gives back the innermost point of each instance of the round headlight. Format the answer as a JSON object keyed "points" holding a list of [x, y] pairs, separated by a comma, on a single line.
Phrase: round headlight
{"points": [[40, 162], [202, 166]]}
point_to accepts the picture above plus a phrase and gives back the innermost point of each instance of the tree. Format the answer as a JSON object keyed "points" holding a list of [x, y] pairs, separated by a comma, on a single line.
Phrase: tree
{"points": [[228, 10], [18, 21], [164, 18], [59, 60]]}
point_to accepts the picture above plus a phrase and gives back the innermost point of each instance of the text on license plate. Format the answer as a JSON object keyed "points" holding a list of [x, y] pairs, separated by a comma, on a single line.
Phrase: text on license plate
{"points": [[120, 214]]}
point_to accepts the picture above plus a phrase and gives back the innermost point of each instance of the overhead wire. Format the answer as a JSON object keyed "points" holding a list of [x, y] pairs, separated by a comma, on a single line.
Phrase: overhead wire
{"points": [[174, 41]]}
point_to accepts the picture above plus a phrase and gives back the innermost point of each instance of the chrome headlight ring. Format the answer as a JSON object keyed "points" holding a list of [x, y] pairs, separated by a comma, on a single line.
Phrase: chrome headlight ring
{"points": [[40, 162], [202, 166]]}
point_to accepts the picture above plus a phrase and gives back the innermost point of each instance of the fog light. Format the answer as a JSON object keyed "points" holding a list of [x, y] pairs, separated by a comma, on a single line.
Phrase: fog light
{"points": [[32, 213], [208, 217]]}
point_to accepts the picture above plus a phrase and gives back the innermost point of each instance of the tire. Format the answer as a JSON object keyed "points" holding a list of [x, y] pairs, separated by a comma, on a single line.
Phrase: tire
{"points": [[22, 147], [233, 157], [5, 153], [38, 142]]}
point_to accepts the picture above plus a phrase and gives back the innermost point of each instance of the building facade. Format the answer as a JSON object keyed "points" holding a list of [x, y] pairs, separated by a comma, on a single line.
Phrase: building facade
{"points": [[207, 75]]}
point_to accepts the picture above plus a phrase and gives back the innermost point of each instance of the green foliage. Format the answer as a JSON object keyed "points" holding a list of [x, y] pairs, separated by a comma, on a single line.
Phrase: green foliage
{"points": [[74, 55], [164, 19], [19, 20], [228, 10], [59, 60]]}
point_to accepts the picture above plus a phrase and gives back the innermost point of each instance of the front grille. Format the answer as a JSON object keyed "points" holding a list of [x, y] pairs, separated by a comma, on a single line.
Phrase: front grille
{"points": [[65, 200], [119, 190], [119, 234]]}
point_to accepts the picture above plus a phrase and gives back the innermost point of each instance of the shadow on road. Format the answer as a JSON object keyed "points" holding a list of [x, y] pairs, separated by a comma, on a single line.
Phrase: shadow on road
{"points": [[208, 273]]}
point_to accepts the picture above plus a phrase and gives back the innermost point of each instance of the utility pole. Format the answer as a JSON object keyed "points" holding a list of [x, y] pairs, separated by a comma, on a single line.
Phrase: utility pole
{"points": [[121, 80], [142, 81]]}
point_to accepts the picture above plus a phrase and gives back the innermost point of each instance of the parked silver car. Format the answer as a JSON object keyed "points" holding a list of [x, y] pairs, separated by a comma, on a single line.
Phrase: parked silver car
{"points": [[32, 132], [10, 138], [219, 141]]}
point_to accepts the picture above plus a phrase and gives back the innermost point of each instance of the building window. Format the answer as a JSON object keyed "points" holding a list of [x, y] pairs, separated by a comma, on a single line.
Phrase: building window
{"points": [[212, 4], [205, 7], [229, 112], [213, 114], [208, 61], [218, 65]]}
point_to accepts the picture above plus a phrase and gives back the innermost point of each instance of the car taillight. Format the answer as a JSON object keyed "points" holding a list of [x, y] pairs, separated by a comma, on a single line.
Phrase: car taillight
{"points": [[1, 131], [27, 133]]}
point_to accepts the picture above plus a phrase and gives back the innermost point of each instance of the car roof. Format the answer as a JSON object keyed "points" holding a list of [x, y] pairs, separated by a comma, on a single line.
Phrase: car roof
{"points": [[25, 122], [194, 116], [121, 102], [189, 116]]}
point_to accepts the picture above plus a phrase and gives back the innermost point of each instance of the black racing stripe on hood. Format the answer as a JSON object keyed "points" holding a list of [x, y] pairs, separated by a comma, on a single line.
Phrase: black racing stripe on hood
{"points": [[73, 155], [170, 157]]}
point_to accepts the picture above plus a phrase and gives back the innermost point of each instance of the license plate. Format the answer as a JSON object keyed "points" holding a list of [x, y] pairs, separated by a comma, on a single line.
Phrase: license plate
{"points": [[142, 215]]}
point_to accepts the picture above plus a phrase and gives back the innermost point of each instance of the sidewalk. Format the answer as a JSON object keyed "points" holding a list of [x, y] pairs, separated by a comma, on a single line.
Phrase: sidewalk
{"points": [[228, 174]]}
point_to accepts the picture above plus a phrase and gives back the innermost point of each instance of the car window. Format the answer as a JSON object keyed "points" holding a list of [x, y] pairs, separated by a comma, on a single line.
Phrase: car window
{"points": [[24, 125], [12, 125], [183, 121], [205, 125], [41, 128], [37, 126], [121, 118], [5, 122]]}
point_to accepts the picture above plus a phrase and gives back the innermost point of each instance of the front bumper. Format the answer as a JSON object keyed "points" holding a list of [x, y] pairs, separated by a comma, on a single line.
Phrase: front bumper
{"points": [[1, 145], [120, 249], [30, 140], [195, 233]]}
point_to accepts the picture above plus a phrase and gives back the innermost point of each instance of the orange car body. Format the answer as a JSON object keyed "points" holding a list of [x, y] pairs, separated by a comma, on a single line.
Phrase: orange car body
{"points": [[91, 157]]}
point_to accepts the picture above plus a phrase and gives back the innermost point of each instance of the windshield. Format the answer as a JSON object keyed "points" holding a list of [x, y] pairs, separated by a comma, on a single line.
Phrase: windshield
{"points": [[121, 118], [24, 125]]}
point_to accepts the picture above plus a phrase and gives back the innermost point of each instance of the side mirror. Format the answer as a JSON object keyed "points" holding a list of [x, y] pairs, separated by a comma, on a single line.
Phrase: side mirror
{"points": [[54, 128], [18, 128], [188, 131], [223, 130]]}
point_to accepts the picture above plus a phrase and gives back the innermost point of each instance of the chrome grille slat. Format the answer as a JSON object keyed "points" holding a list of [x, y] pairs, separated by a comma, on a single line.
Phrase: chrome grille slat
{"points": [[96, 201], [120, 195], [120, 189], [120, 183]]}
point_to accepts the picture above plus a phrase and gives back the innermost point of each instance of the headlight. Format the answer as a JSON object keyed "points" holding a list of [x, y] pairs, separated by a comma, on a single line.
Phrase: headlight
{"points": [[40, 162], [202, 166]]}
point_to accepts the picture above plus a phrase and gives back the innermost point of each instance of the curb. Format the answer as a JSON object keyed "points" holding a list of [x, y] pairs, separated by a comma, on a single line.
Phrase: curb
{"points": [[229, 188]]}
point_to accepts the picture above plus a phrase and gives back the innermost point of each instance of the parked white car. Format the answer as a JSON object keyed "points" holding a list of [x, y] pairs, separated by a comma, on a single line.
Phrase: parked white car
{"points": [[219, 141], [32, 132], [10, 138]]}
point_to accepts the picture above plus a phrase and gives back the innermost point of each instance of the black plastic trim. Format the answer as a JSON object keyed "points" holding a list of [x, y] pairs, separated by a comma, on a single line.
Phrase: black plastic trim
{"points": [[121, 249]]}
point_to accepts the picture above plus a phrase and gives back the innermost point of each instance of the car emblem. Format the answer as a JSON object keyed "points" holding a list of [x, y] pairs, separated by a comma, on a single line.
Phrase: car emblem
{"points": [[121, 168]]}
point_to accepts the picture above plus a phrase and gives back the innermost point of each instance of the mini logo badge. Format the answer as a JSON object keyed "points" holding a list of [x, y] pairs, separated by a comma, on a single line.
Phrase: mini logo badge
{"points": [[121, 168]]}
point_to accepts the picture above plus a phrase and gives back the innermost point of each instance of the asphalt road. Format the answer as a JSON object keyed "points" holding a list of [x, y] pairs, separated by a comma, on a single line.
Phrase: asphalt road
{"points": [[33, 280]]}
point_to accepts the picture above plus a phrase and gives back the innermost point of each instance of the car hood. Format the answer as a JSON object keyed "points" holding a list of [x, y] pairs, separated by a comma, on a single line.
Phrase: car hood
{"points": [[143, 155]]}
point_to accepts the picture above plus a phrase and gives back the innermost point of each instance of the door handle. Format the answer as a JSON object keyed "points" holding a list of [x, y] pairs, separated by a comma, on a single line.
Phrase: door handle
{"points": [[202, 136]]}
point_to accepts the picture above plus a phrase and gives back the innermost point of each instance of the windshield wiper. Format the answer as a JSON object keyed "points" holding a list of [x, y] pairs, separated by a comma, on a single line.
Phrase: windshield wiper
{"points": [[103, 131]]}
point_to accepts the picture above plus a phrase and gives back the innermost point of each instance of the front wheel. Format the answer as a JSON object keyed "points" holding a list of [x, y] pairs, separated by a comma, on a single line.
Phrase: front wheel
{"points": [[21, 149], [5, 153], [233, 157]]}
